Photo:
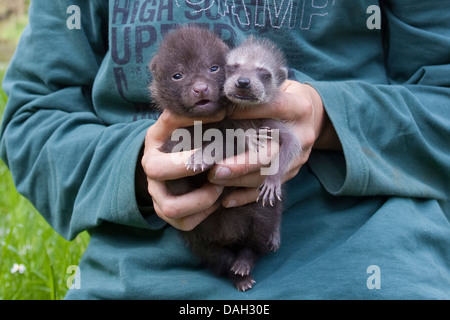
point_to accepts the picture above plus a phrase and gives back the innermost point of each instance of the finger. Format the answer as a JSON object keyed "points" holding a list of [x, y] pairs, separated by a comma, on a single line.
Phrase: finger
{"points": [[244, 163], [233, 167], [253, 179], [190, 222], [168, 121], [240, 197], [176, 207], [167, 166], [287, 105]]}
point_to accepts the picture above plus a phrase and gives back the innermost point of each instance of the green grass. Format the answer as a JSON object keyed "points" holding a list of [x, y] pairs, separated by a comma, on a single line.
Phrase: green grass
{"points": [[10, 31], [27, 240]]}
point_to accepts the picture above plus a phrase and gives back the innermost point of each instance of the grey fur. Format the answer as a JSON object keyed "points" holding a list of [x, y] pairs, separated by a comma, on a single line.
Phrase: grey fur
{"points": [[254, 73], [260, 61]]}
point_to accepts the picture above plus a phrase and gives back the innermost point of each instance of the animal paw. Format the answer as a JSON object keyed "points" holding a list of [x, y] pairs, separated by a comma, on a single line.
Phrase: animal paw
{"points": [[241, 268], [274, 241], [196, 162], [269, 192], [259, 139], [244, 283]]}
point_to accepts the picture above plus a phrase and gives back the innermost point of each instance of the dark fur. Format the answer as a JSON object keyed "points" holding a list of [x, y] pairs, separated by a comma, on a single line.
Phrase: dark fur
{"points": [[191, 52], [230, 240]]}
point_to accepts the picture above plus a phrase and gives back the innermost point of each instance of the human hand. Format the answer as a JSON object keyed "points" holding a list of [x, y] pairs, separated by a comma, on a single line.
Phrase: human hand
{"points": [[301, 106], [185, 211]]}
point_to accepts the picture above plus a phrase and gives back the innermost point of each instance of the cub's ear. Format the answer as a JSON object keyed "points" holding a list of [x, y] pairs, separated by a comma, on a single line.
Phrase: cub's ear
{"points": [[154, 65], [282, 75]]}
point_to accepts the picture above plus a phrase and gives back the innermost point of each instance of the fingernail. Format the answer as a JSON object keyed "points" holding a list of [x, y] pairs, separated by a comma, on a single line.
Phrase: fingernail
{"points": [[219, 189], [222, 173], [231, 204]]}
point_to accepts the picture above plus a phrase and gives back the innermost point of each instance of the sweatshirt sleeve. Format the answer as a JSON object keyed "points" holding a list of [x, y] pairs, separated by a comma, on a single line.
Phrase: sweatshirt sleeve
{"points": [[395, 136], [75, 169]]}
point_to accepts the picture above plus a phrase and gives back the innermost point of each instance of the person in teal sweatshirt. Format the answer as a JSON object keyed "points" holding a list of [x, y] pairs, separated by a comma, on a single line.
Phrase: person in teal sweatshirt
{"points": [[367, 209]]}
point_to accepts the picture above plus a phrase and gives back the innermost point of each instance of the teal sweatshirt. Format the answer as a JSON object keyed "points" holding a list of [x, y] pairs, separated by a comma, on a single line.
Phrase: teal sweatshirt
{"points": [[368, 222]]}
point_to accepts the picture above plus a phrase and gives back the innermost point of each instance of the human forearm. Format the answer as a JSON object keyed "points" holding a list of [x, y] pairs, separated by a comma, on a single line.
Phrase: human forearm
{"points": [[326, 137], [76, 169], [394, 138]]}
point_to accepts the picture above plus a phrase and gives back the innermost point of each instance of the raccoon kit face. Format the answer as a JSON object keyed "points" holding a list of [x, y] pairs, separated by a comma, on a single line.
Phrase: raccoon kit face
{"points": [[254, 72], [189, 72]]}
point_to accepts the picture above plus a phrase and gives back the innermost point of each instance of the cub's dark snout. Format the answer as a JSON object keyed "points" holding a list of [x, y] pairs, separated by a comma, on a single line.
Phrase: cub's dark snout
{"points": [[243, 83]]}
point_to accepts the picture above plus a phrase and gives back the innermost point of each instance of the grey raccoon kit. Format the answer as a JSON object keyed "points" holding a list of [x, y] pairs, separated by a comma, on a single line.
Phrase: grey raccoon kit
{"points": [[189, 76], [255, 70], [254, 73]]}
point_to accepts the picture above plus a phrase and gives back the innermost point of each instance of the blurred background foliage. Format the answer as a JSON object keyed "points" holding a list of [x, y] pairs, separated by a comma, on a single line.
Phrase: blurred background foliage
{"points": [[34, 259]]}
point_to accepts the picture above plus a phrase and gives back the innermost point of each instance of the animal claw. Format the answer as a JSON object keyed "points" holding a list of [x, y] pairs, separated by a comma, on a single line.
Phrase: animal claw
{"points": [[241, 268], [269, 192], [244, 284]]}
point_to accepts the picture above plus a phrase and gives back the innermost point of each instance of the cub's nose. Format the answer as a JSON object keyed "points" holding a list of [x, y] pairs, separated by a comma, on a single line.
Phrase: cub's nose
{"points": [[200, 89], [243, 83]]}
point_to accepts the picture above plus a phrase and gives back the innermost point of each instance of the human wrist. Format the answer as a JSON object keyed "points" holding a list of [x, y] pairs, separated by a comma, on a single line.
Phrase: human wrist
{"points": [[143, 198], [327, 138]]}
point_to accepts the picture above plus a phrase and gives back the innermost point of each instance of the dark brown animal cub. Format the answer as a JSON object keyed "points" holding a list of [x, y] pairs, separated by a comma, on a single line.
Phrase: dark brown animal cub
{"points": [[188, 76]]}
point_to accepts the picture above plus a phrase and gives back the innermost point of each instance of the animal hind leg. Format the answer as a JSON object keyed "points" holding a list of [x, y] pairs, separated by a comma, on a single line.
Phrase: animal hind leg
{"points": [[242, 283], [222, 261], [219, 259], [241, 268]]}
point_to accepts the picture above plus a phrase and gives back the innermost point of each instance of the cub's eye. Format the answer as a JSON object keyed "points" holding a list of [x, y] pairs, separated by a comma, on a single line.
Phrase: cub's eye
{"points": [[229, 69], [264, 74], [177, 76], [214, 69]]}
